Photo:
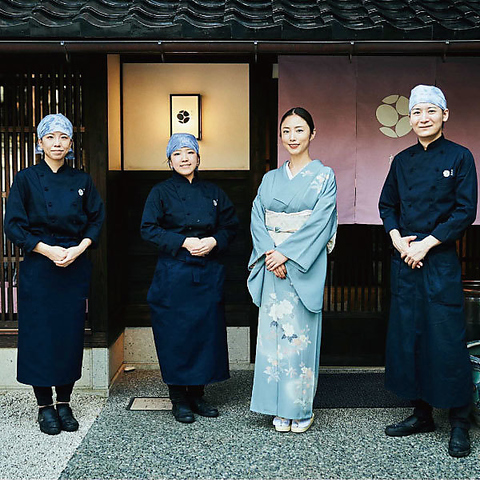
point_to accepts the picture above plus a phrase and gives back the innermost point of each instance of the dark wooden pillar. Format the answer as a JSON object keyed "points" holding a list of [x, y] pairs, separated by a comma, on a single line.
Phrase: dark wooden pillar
{"points": [[96, 160], [263, 124]]}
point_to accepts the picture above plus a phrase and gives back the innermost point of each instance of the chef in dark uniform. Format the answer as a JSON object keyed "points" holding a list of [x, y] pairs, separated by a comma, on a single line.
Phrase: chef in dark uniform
{"points": [[191, 222], [428, 200], [54, 214]]}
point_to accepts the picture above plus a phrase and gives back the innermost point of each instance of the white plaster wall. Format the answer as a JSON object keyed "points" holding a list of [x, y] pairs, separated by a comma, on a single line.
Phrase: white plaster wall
{"points": [[225, 143]]}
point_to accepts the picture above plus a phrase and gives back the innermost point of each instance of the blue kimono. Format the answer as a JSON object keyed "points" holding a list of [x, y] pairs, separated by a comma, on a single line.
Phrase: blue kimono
{"points": [[290, 319], [429, 192], [57, 209], [186, 294]]}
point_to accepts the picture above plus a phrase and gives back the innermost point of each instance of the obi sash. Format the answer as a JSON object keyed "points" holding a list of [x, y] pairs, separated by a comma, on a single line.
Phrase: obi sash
{"points": [[281, 225]]}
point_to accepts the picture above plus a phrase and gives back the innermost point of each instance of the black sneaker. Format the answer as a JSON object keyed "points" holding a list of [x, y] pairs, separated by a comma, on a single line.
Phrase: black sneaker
{"points": [[67, 420], [49, 421], [459, 445], [410, 426]]}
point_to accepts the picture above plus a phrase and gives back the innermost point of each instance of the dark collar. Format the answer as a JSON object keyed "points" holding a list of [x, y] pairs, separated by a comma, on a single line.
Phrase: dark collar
{"points": [[176, 177], [439, 142], [45, 168]]}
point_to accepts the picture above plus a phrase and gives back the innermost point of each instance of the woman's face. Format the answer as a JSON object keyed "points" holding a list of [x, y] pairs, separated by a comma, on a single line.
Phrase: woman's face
{"points": [[55, 145], [184, 161], [295, 134]]}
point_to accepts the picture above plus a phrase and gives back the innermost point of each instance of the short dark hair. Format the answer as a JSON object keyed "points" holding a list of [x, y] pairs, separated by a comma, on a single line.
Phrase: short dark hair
{"points": [[302, 113]]}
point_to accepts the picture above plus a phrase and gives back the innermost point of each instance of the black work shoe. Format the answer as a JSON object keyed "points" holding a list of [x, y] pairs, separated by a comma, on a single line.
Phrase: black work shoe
{"points": [[49, 421], [410, 426], [67, 420], [182, 412], [459, 445], [200, 406]]}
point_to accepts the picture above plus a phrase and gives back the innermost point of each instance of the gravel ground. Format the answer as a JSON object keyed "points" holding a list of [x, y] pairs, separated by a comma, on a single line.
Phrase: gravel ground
{"points": [[343, 443], [27, 453]]}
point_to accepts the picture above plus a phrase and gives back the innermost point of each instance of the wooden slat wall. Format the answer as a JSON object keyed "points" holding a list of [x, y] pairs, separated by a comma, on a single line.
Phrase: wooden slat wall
{"points": [[26, 96]]}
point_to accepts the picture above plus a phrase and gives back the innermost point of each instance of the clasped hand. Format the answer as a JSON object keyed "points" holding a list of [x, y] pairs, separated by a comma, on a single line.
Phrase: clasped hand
{"points": [[63, 257], [199, 247], [413, 252], [275, 262]]}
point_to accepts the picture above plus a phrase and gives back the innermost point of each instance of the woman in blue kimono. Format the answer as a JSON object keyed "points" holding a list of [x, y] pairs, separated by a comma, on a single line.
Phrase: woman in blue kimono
{"points": [[428, 200], [54, 213], [293, 220], [191, 222]]}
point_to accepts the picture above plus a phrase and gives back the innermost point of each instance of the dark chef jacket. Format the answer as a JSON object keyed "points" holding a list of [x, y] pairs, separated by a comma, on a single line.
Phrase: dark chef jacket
{"points": [[177, 209], [57, 209], [44, 206], [186, 294], [429, 192]]}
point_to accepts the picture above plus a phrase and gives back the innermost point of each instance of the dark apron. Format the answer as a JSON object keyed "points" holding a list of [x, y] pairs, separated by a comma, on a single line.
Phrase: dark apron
{"points": [[188, 320], [426, 355], [51, 318]]}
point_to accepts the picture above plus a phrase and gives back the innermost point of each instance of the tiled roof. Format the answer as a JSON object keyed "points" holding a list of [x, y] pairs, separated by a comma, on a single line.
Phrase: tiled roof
{"points": [[241, 19]]}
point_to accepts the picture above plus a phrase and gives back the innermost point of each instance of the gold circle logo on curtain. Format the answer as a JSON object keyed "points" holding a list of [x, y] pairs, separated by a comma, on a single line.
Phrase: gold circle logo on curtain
{"points": [[393, 115]]}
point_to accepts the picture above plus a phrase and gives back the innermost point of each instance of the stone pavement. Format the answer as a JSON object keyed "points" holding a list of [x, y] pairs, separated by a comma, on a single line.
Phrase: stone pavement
{"points": [[122, 444]]}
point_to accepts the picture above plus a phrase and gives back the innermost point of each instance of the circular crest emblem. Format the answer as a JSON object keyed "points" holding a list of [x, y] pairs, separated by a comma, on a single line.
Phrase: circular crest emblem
{"points": [[393, 115]]}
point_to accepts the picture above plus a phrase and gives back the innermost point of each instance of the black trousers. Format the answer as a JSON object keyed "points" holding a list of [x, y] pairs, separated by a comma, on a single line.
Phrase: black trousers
{"points": [[44, 395], [458, 416], [181, 393]]}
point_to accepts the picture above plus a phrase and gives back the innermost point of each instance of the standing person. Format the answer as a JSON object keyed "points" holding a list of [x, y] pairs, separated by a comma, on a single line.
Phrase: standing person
{"points": [[191, 222], [54, 213], [293, 219], [428, 200]]}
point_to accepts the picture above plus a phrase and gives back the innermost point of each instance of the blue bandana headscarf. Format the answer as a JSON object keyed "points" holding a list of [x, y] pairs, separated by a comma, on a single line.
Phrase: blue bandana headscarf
{"points": [[427, 94], [55, 122], [181, 140]]}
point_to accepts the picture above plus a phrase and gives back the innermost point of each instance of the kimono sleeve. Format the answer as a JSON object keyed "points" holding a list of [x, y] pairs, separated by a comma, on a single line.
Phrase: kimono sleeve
{"points": [[261, 240], [227, 221], [389, 203], [152, 231], [95, 211], [305, 245], [17, 224], [465, 210]]}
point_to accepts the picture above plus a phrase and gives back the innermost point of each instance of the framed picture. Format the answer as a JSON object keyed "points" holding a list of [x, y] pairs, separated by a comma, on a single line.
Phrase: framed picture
{"points": [[186, 114]]}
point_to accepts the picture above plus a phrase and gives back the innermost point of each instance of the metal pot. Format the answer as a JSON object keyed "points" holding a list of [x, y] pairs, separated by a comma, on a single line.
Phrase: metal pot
{"points": [[471, 290], [474, 350]]}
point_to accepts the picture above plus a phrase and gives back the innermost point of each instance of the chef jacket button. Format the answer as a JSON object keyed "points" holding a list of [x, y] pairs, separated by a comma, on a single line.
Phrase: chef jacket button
{"points": [[183, 198], [49, 204], [198, 221], [432, 187], [189, 228], [409, 188], [54, 221], [442, 152], [71, 189], [46, 189], [429, 223], [74, 204], [411, 170], [42, 174], [188, 213], [437, 169]]}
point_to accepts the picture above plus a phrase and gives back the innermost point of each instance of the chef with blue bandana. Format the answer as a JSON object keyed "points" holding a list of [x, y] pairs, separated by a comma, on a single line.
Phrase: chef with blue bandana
{"points": [[191, 222], [54, 213], [428, 200]]}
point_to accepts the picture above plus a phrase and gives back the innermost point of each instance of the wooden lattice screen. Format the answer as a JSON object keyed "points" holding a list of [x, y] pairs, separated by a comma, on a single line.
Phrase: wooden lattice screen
{"points": [[25, 97]]}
